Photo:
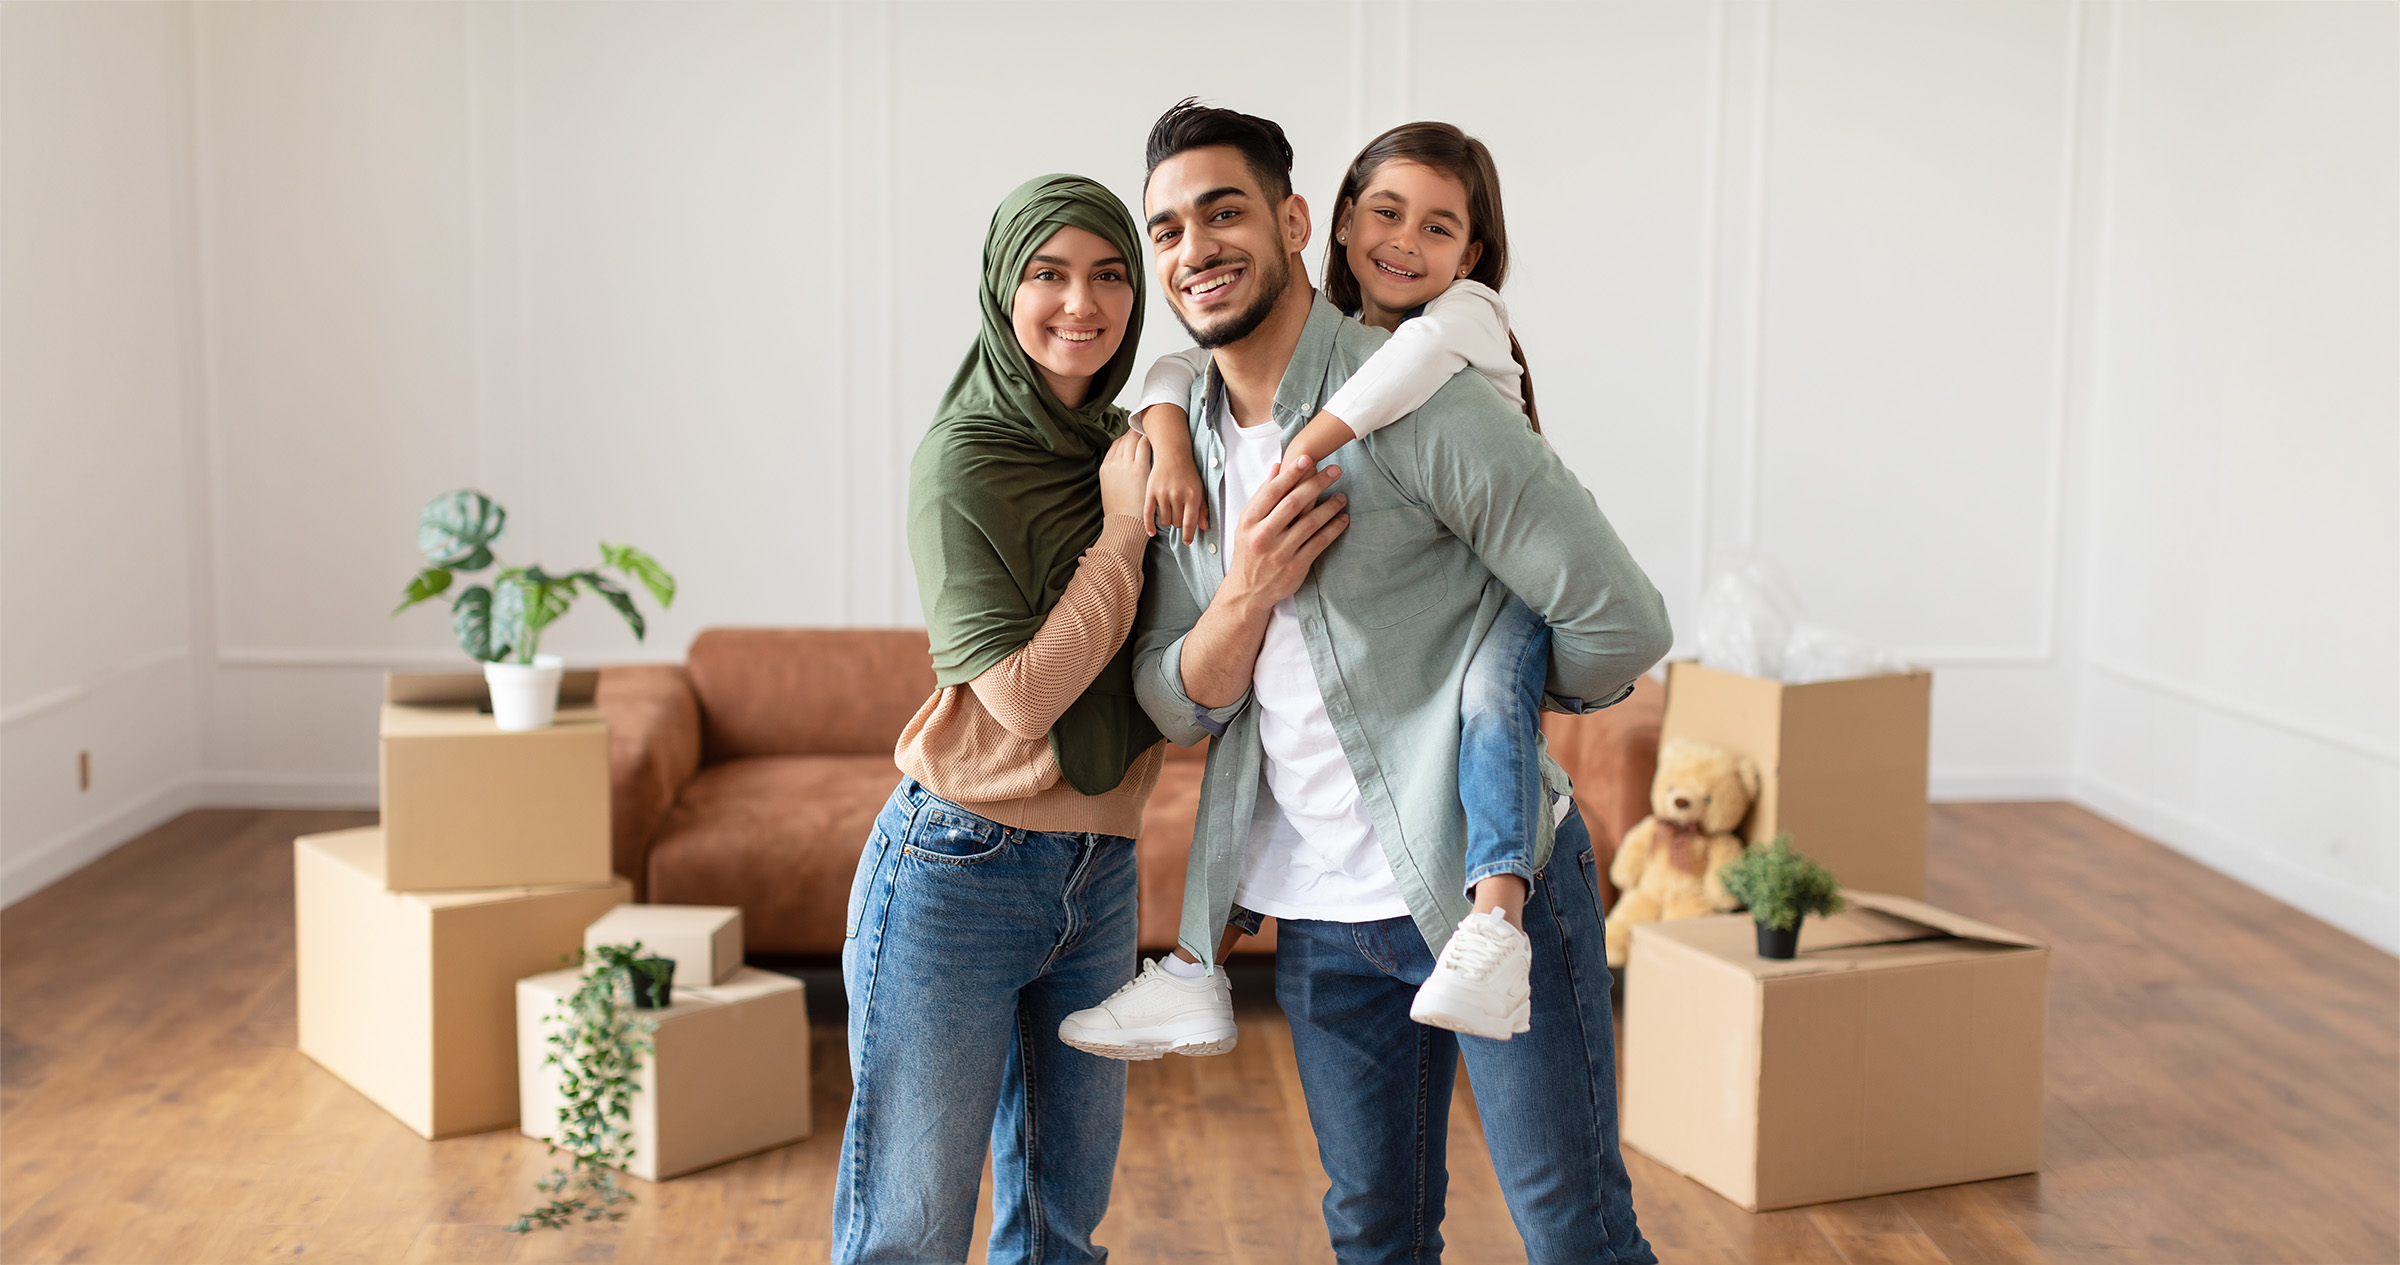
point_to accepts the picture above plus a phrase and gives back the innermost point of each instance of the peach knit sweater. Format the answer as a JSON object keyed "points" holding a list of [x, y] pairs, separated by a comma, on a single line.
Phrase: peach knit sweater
{"points": [[985, 745]]}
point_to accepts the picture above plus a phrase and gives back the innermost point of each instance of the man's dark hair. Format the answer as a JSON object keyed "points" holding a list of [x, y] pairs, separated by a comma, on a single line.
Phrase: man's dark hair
{"points": [[1190, 125]]}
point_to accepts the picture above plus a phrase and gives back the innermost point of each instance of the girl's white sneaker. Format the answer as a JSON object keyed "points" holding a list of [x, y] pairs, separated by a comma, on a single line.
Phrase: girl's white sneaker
{"points": [[1158, 1013], [1481, 985]]}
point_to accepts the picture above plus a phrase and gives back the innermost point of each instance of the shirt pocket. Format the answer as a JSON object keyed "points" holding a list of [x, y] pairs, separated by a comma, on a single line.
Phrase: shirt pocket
{"points": [[1383, 571]]}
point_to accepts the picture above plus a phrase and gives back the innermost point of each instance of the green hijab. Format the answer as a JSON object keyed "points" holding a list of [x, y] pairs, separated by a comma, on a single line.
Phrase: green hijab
{"points": [[1004, 494]]}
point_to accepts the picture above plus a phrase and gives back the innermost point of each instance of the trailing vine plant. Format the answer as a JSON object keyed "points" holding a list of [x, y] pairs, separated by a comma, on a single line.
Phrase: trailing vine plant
{"points": [[597, 1044]]}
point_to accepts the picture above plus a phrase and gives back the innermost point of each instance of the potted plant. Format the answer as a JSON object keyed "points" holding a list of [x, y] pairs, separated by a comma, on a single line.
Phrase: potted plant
{"points": [[653, 981], [1781, 887], [597, 1045], [501, 625]]}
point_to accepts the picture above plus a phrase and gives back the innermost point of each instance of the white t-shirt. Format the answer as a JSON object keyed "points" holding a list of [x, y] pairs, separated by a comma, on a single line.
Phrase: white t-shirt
{"points": [[1463, 327], [1318, 856]]}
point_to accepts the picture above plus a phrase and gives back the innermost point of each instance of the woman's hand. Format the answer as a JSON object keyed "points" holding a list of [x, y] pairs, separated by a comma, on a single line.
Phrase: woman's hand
{"points": [[1125, 474], [1175, 499]]}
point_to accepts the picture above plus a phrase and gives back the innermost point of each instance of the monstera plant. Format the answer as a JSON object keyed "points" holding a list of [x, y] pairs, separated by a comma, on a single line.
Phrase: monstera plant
{"points": [[501, 623]]}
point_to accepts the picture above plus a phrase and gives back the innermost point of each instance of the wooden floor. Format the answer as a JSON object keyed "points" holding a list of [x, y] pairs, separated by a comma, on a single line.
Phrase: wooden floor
{"points": [[2223, 1086]]}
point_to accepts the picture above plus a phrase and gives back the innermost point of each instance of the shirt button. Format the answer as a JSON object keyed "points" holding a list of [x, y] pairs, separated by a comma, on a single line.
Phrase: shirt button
{"points": [[1214, 463], [1212, 546]]}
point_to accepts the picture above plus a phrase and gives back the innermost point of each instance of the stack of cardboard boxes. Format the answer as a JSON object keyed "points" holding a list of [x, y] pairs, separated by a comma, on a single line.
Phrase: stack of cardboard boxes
{"points": [[492, 858], [431, 946], [1902, 1047]]}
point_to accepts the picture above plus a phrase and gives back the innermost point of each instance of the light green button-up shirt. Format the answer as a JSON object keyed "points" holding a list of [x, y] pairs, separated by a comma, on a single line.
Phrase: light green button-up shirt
{"points": [[1451, 509]]}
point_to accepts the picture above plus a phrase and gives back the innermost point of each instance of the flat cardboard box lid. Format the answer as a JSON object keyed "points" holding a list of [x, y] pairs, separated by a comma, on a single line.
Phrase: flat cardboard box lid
{"points": [[1878, 931], [466, 689], [361, 849], [747, 984], [416, 720]]}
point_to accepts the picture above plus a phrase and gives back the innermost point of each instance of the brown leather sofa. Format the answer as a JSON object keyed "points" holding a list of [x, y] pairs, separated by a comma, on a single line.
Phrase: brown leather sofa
{"points": [[751, 775]]}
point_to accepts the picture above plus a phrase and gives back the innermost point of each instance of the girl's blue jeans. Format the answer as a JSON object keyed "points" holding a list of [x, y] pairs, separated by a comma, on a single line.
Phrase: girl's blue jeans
{"points": [[1499, 759], [967, 941]]}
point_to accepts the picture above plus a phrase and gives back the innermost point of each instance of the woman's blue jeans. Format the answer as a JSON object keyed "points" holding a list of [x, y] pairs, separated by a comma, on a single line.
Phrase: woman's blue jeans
{"points": [[1499, 756], [967, 942], [1378, 1085]]}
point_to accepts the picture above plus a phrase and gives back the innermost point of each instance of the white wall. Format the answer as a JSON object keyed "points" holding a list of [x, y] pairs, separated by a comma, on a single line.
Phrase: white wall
{"points": [[2241, 683], [95, 236], [1843, 280]]}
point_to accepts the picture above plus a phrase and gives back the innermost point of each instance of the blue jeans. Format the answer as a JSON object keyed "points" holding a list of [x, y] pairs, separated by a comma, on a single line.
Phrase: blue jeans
{"points": [[967, 941], [1499, 761], [1378, 1085]]}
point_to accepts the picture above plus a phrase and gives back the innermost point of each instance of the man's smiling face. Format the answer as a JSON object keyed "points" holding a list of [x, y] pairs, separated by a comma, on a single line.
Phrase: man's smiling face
{"points": [[1221, 250]]}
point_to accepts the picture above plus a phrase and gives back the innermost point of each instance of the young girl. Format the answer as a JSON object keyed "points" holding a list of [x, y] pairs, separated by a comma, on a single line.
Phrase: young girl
{"points": [[1420, 249]]}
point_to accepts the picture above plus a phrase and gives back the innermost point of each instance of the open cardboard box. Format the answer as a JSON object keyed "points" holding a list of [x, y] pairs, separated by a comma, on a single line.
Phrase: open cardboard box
{"points": [[727, 1075], [1841, 763], [411, 996], [466, 805], [1902, 1048]]}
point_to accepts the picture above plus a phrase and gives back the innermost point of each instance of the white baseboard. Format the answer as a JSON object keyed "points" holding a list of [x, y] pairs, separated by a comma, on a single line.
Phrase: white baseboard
{"points": [[1969, 785], [290, 790], [47, 863], [2371, 916]]}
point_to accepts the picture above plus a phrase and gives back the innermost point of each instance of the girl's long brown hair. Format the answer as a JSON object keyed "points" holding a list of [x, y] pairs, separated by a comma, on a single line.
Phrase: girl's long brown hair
{"points": [[1464, 159]]}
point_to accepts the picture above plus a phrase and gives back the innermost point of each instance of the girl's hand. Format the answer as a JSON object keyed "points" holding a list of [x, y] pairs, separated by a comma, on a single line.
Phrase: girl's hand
{"points": [[1124, 473], [1175, 499]]}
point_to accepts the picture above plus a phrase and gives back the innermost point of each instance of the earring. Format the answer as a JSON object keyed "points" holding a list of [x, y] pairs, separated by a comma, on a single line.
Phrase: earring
{"points": [[1342, 236]]}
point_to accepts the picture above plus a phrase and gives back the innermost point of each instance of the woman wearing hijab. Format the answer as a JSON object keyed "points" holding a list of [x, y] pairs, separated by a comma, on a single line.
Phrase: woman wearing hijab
{"points": [[996, 894]]}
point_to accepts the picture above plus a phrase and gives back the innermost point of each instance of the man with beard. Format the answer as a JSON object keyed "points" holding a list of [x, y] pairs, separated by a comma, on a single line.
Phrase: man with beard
{"points": [[1319, 630]]}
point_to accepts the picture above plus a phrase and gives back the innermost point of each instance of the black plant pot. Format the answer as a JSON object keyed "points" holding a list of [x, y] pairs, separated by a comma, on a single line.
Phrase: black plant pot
{"points": [[649, 993], [1778, 944]]}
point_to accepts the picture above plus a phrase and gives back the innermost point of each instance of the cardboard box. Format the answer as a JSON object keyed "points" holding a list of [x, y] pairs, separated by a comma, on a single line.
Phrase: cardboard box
{"points": [[411, 996], [1841, 763], [704, 940], [465, 805], [1902, 1048], [727, 1075]]}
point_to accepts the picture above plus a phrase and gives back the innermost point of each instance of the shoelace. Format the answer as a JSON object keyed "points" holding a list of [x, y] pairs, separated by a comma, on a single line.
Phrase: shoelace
{"points": [[1473, 951]]}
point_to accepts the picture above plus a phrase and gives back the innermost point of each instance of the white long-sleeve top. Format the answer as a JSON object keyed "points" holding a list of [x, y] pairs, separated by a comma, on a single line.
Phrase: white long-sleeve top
{"points": [[1463, 327]]}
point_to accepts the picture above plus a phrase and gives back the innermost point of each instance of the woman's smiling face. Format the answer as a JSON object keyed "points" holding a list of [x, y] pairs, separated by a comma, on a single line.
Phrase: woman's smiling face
{"points": [[1073, 301], [1407, 237]]}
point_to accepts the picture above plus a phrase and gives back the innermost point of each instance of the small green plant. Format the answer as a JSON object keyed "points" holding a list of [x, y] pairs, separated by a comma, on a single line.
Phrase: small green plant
{"points": [[1781, 886], [503, 623], [597, 1047]]}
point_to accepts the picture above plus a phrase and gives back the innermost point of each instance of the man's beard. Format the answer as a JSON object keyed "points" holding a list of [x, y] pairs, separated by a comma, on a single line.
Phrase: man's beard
{"points": [[1244, 323]]}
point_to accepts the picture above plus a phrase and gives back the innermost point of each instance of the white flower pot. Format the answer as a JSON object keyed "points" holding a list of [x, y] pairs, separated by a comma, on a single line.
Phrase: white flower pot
{"points": [[525, 696]]}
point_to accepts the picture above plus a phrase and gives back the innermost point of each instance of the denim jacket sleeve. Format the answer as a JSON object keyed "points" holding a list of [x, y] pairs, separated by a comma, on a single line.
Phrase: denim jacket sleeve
{"points": [[1499, 487], [1164, 618]]}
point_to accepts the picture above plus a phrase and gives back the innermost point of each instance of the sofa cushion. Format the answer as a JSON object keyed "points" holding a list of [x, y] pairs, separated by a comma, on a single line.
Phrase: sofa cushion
{"points": [[779, 836], [808, 691]]}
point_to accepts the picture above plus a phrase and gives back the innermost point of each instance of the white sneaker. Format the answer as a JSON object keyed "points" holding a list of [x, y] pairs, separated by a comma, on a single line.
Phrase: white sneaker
{"points": [[1480, 985], [1158, 1013]]}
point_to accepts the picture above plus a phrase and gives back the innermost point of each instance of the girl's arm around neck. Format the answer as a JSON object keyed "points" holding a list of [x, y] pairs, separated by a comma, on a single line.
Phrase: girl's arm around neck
{"points": [[1464, 327]]}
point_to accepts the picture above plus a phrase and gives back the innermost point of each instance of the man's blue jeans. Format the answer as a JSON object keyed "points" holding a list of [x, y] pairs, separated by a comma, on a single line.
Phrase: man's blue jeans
{"points": [[1499, 756], [967, 941], [1378, 1085]]}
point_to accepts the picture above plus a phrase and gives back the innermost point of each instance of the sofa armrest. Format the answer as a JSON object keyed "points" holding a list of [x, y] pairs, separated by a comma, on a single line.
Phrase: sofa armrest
{"points": [[1613, 755], [653, 750]]}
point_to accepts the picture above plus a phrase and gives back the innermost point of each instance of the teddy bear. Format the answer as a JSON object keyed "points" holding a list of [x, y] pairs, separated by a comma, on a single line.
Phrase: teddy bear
{"points": [[1668, 864]]}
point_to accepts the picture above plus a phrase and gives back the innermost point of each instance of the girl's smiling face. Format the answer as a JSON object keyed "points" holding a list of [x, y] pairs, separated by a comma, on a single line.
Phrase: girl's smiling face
{"points": [[1072, 303], [1407, 238]]}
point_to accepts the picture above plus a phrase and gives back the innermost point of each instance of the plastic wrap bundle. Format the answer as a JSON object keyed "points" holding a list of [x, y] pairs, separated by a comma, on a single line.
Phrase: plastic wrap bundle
{"points": [[1750, 623]]}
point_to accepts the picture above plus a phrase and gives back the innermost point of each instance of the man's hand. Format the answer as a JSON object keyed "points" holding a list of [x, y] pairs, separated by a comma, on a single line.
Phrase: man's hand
{"points": [[1282, 530], [1280, 534]]}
